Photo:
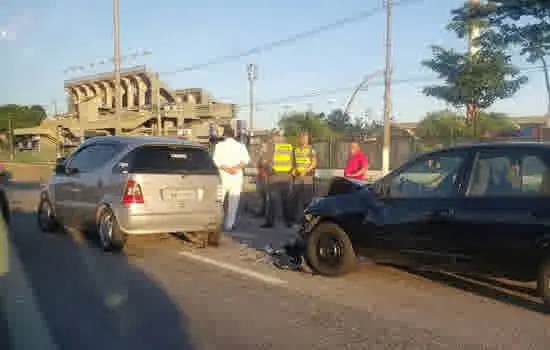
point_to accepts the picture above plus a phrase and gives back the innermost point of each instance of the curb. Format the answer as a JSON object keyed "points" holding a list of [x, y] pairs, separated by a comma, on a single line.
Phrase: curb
{"points": [[27, 328]]}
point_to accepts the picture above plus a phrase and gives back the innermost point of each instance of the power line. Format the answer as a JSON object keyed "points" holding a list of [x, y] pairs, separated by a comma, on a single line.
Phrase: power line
{"points": [[324, 92], [288, 40]]}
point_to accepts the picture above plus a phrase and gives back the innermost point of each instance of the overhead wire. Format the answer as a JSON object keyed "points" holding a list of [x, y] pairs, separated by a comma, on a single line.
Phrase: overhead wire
{"points": [[288, 40], [330, 91]]}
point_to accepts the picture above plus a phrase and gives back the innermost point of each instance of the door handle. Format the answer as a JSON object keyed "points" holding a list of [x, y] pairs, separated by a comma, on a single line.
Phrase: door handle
{"points": [[75, 189]]}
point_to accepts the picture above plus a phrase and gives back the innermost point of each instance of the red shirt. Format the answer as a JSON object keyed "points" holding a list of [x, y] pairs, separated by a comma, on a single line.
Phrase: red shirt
{"points": [[356, 162]]}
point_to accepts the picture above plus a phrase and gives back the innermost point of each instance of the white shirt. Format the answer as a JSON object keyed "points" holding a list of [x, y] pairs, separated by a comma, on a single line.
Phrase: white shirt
{"points": [[229, 153]]}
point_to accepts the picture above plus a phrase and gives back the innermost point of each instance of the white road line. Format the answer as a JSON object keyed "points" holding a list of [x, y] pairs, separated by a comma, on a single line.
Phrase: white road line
{"points": [[240, 270]]}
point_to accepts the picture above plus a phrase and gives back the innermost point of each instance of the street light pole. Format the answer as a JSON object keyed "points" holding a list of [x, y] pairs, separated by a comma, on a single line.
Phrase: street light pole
{"points": [[387, 93], [10, 129], [252, 76], [116, 33]]}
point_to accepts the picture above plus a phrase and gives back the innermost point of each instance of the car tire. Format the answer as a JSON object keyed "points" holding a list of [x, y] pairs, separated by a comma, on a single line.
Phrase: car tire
{"points": [[46, 217], [214, 238], [111, 237], [543, 285], [325, 237]]}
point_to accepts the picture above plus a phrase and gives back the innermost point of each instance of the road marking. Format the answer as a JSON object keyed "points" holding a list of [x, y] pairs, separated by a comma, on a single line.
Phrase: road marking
{"points": [[240, 270]]}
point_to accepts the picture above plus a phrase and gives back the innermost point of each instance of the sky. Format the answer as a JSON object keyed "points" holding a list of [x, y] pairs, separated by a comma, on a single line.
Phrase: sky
{"points": [[40, 39]]}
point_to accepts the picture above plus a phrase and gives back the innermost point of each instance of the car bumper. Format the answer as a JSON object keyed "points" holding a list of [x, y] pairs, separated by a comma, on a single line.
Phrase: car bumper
{"points": [[141, 224]]}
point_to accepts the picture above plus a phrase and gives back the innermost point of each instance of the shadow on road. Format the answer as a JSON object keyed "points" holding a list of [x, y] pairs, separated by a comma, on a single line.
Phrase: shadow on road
{"points": [[507, 292], [94, 300]]}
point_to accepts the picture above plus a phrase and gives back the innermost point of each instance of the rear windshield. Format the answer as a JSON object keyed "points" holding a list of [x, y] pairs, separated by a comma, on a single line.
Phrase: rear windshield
{"points": [[171, 160]]}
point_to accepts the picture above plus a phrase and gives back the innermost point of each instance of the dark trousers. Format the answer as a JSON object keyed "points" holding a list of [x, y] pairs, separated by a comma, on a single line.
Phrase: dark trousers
{"points": [[302, 194], [261, 192], [278, 199]]}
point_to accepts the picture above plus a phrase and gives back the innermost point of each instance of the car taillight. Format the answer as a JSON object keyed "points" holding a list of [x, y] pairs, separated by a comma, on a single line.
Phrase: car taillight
{"points": [[132, 193]]}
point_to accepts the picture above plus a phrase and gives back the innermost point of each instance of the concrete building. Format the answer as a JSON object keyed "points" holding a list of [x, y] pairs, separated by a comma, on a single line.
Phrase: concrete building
{"points": [[146, 101]]}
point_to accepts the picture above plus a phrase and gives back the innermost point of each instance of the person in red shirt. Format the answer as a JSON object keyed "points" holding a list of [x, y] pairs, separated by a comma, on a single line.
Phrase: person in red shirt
{"points": [[358, 163]]}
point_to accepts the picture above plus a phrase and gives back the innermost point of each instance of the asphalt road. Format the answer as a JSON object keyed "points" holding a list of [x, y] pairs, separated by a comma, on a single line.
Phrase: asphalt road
{"points": [[163, 294]]}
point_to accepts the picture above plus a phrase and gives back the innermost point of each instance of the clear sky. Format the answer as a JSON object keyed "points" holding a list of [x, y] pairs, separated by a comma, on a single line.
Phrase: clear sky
{"points": [[39, 39]]}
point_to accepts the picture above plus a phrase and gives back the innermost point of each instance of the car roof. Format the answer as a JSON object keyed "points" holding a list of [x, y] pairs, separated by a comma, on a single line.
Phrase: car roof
{"points": [[142, 140], [500, 144]]}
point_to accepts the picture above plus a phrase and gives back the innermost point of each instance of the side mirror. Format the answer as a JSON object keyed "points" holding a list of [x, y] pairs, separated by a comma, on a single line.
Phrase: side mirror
{"points": [[71, 171], [381, 189], [60, 165]]}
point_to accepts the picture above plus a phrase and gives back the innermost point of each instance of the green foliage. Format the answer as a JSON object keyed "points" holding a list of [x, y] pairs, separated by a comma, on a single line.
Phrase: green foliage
{"points": [[448, 125], [480, 80], [519, 23], [294, 122], [22, 116]]}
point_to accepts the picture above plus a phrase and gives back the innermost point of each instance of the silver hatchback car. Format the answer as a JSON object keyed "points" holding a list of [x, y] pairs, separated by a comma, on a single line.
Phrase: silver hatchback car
{"points": [[121, 185]]}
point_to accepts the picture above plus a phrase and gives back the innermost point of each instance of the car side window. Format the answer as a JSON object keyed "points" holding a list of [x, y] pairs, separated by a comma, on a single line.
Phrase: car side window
{"points": [[504, 174], [92, 157], [430, 176]]}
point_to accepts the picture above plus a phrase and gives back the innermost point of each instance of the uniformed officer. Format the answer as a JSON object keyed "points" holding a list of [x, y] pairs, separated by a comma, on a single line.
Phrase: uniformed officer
{"points": [[277, 160], [305, 163]]}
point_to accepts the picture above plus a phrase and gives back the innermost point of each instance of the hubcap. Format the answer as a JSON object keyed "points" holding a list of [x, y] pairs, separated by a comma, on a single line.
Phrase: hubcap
{"points": [[330, 250], [106, 229], [45, 213]]}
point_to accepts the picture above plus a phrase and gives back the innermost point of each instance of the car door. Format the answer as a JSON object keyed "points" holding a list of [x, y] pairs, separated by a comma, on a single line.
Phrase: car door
{"points": [[419, 204], [78, 168], [65, 186], [91, 181], [505, 212]]}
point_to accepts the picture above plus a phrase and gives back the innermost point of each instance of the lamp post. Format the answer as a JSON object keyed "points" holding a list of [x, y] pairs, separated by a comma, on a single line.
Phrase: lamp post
{"points": [[252, 72]]}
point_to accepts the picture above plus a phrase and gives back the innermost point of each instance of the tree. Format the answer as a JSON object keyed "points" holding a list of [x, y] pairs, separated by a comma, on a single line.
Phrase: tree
{"points": [[315, 124], [22, 116], [479, 80], [339, 121], [442, 125], [524, 24], [448, 125]]}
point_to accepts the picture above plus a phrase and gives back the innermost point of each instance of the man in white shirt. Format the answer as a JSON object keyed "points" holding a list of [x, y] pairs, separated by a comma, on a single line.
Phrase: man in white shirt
{"points": [[231, 156]]}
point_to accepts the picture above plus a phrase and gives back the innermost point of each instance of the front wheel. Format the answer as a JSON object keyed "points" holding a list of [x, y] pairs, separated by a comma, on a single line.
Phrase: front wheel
{"points": [[329, 251], [46, 218], [111, 237]]}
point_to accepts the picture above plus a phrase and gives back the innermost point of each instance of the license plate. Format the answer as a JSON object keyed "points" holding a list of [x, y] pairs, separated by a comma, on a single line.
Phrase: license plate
{"points": [[178, 195]]}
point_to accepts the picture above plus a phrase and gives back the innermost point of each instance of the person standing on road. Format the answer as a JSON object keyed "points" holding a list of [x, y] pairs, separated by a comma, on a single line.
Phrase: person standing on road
{"points": [[231, 156], [357, 164], [305, 163], [260, 188], [277, 160]]}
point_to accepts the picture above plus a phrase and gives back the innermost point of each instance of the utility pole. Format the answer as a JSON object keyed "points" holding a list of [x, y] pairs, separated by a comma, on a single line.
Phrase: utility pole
{"points": [[118, 94], [10, 129], [252, 71], [473, 49], [387, 93], [54, 105]]}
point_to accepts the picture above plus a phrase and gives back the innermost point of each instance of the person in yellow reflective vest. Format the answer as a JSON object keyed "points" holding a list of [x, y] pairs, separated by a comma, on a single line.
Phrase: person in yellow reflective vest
{"points": [[277, 160], [305, 163]]}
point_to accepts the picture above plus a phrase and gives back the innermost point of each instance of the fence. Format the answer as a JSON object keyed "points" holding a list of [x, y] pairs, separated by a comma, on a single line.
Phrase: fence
{"points": [[333, 153]]}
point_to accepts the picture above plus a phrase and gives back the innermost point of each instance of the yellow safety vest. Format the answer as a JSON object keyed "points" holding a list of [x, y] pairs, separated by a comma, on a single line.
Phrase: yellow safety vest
{"points": [[282, 158], [303, 157]]}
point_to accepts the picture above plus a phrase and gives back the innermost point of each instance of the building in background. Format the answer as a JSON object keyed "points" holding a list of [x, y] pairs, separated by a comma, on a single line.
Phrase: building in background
{"points": [[145, 100]]}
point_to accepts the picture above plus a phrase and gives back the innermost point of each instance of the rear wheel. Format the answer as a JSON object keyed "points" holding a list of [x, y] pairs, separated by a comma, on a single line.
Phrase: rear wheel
{"points": [[329, 251], [111, 237], [46, 217], [214, 238]]}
